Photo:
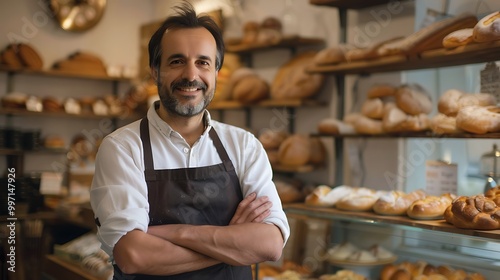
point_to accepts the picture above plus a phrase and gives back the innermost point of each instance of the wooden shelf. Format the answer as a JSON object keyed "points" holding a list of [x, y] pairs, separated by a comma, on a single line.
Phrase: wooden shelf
{"points": [[425, 134], [269, 103], [349, 4], [370, 217], [58, 268], [26, 113], [56, 73], [287, 42], [469, 54]]}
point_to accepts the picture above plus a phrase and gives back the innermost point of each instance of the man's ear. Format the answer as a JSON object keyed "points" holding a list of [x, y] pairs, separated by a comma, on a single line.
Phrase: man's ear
{"points": [[154, 73]]}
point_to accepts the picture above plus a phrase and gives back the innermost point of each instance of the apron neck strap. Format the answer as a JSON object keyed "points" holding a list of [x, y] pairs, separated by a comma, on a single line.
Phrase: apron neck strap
{"points": [[228, 165], [148, 154]]}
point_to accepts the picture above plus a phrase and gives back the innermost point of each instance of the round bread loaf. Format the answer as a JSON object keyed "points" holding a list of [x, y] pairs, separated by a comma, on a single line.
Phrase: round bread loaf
{"points": [[448, 102], [272, 139], [250, 89], [381, 90], [332, 55], [373, 108], [413, 99], [479, 99], [295, 151], [396, 202]]}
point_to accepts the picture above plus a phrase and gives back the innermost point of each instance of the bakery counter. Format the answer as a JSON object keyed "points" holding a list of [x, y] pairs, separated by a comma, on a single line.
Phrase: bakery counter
{"points": [[401, 221]]}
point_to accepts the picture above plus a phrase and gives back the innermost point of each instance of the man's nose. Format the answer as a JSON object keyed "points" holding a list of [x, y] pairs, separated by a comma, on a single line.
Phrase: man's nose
{"points": [[190, 72]]}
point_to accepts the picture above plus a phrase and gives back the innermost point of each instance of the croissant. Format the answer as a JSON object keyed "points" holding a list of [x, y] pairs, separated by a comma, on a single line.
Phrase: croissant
{"points": [[473, 212]]}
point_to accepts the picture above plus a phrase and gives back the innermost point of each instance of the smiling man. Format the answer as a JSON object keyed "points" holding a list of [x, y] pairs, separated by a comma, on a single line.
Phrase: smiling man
{"points": [[178, 195]]}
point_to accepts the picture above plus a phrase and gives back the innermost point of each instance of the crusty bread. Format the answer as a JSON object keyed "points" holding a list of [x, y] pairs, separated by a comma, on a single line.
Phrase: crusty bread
{"points": [[488, 28], [478, 119], [293, 82], [430, 207], [473, 212], [396, 202], [413, 99], [295, 151]]}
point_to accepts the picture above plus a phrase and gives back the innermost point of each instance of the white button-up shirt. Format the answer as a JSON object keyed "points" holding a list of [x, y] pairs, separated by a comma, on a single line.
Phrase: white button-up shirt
{"points": [[119, 194]]}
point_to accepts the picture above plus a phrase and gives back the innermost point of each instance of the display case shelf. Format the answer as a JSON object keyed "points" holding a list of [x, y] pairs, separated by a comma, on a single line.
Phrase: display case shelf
{"points": [[269, 103], [26, 113], [349, 4], [424, 134], [371, 218], [469, 54]]}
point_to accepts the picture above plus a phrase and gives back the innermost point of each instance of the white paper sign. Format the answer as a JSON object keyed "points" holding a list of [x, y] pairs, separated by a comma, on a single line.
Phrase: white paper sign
{"points": [[51, 183], [440, 178]]}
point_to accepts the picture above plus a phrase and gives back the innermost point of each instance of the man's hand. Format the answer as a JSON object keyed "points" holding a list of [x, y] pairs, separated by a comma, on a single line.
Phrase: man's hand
{"points": [[252, 209]]}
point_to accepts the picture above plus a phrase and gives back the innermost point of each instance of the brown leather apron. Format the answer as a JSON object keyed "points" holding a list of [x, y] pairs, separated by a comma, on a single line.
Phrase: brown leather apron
{"points": [[201, 196]]}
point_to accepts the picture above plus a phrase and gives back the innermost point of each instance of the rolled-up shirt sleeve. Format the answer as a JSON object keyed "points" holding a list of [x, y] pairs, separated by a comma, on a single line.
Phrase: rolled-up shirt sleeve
{"points": [[256, 175], [118, 193]]}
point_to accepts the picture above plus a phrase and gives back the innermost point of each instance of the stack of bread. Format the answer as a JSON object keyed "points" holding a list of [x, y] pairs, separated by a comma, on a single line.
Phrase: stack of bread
{"points": [[486, 30], [471, 112], [422, 270], [387, 109], [480, 211], [246, 86], [294, 150], [267, 32]]}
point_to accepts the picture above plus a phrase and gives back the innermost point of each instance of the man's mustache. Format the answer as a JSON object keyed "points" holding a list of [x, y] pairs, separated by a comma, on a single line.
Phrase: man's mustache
{"points": [[186, 84]]}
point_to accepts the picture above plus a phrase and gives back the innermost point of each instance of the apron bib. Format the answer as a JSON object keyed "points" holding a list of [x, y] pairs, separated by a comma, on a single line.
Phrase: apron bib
{"points": [[206, 195]]}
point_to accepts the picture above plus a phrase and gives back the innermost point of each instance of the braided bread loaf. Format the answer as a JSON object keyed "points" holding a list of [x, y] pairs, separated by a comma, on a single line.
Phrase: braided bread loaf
{"points": [[474, 212], [494, 193]]}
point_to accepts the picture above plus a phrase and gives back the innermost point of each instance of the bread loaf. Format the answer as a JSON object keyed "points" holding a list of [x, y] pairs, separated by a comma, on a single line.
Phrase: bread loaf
{"points": [[325, 196], [293, 82], [272, 139], [443, 124], [365, 125], [478, 119], [458, 38], [430, 207], [474, 212], [362, 199], [396, 202], [488, 28], [373, 108], [332, 126], [295, 151], [413, 99], [448, 102]]}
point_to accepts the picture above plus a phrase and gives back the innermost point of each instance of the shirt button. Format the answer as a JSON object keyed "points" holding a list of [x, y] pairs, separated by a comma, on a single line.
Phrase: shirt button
{"points": [[186, 150]]}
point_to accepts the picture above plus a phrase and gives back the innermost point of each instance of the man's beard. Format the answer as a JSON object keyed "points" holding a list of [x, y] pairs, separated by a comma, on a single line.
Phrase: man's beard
{"points": [[172, 104]]}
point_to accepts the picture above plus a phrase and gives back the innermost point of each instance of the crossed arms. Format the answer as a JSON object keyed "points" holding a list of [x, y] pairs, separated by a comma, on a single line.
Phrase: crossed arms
{"points": [[177, 248]]}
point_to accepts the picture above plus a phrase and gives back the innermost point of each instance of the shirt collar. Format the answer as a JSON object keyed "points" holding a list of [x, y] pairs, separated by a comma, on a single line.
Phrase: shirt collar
{"points": [[165, 128]]}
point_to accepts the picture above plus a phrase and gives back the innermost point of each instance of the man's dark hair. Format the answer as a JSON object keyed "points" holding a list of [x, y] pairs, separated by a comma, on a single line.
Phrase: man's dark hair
{"points": [[186, 17]]}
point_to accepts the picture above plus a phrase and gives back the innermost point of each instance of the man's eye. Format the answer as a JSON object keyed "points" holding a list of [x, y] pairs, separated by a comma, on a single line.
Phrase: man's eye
{"points": [[176, 62], [204, 63]]}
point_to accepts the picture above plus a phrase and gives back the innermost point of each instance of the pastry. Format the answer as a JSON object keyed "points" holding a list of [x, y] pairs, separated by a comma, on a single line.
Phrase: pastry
{"points": [[365, 125]]}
